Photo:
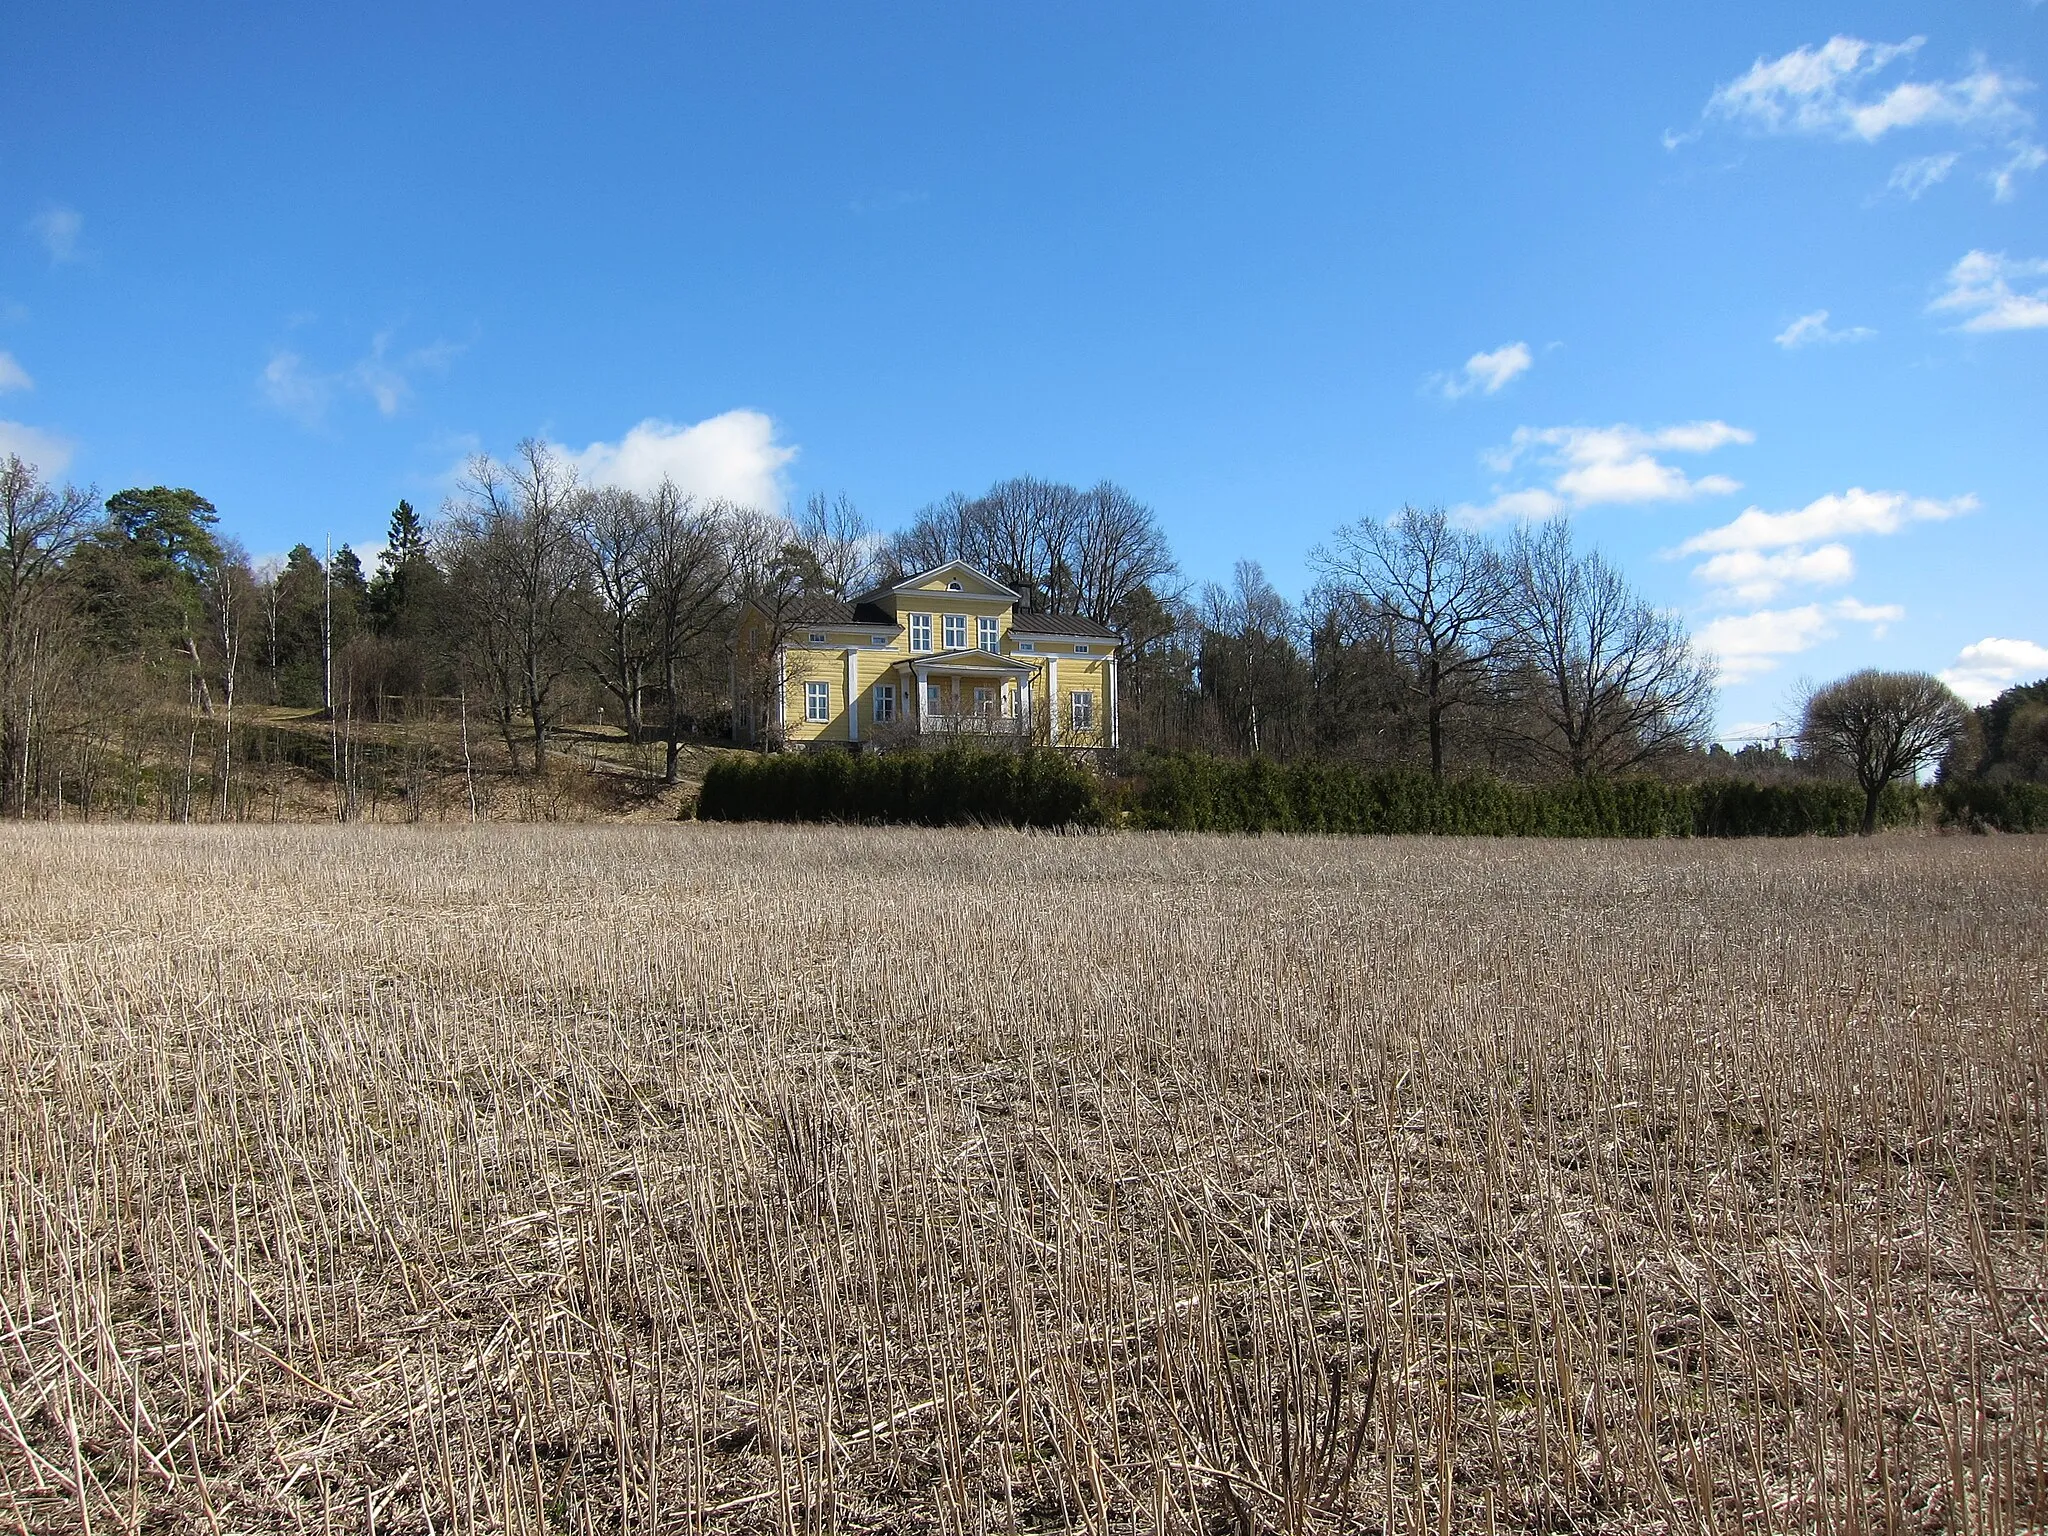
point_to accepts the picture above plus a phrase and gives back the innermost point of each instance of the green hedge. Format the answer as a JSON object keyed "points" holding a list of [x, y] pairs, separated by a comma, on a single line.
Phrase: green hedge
{"points": [[1985, 807], [1188, 792], [958, 785], [1191, 793]]}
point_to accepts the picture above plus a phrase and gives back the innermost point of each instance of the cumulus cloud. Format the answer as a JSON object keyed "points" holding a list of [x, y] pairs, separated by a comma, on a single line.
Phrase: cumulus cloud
{"points": [[1981, 288], [1981, 672], [1834, 90], [13, 375], [1601, 466], [1750, 644], [1855, 511], [58, 229], [48, 452], [1813, 330], [1486, 372], [1753, 576], [734, 456], [382, 376]]}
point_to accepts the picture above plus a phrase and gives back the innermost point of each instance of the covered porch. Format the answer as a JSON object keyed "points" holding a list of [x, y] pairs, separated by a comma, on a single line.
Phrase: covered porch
{"points": [[970, 693]]}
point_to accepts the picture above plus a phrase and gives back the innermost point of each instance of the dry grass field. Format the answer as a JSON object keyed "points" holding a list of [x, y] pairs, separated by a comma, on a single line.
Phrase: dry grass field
{"points": [[738, 1179]]}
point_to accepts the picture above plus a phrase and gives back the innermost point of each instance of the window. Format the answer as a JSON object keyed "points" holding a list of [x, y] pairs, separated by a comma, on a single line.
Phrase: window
{"points": [[988, 640], [1027, 645], [1084, 711], [984, 702], [933, 700], [878, 640], [952, 586], [920, 631], [956, 631], [885, 703], [1080, 650], [817, 637], [818, 702]]}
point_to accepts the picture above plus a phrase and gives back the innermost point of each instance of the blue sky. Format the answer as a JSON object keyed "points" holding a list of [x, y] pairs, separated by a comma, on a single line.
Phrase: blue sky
{"points": [[1756, 293]]}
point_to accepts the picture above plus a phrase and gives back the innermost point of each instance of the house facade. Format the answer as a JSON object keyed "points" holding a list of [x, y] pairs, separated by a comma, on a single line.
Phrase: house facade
{"points": [[948, 652]]}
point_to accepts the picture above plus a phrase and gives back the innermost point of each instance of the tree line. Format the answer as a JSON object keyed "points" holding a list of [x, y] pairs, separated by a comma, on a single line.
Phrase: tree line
{"points": [[134, 626]]}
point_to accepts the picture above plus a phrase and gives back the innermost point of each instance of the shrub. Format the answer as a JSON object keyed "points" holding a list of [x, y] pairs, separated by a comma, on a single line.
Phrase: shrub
{"points": [[1192, 793], [1983, 807], [961, 784]]}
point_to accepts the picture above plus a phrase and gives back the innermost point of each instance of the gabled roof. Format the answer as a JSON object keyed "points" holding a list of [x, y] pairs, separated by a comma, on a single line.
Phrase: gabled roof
{"points": [[1060, 624], [912, 583], [975, 660]]}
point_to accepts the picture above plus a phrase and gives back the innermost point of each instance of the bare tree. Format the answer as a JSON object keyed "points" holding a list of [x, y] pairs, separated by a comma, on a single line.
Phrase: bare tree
{"points": [[510, 534], [1441, 593], [1249, 663], [839, 538], [1116, 550], [615, 529], [40, 527], [689, 567], [1882, 727], [1605, 682], [231, 595]]}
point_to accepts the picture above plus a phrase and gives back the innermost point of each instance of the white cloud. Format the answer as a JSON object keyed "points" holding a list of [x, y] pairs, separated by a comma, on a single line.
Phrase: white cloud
{"points": [[1914, 176], [1814, 330], [2026, 156], [304, 392], [296, 390], [1980, 286], [1487, 372], [58, 229], [1832, 91], [1751, 576], [734, 456], [1986, 669], [1750, 644], [48, 452], [13, 375], [1603, 466], [1854, 511]]}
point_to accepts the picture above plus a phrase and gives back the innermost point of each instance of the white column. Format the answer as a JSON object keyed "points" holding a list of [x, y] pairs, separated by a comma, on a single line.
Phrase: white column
{"points": [[1112, 701], [852, 694], [923, 721], [782, 691], [1052, 696]]}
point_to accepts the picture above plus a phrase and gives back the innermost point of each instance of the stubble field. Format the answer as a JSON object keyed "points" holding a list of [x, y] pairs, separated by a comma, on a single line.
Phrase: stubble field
{"points": [[737, 1179]]}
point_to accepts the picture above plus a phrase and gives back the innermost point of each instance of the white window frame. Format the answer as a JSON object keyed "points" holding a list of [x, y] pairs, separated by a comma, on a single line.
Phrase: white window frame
{"points": [[987, 702], [920, 631], [987, 633], [1080, 650], [934, 698], [1027, 645], [885, 703], [817, 703], [879, 641], [817, 637], [953, 631], [1081, 709]]}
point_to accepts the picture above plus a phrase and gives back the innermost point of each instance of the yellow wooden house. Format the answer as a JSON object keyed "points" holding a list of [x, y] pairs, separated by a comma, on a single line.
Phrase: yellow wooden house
{"points": [[946, 653]]}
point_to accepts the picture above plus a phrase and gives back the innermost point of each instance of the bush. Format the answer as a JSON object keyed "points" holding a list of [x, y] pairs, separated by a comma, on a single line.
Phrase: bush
{"points": [[1187, 792], [961, 784], [1982, 807]]}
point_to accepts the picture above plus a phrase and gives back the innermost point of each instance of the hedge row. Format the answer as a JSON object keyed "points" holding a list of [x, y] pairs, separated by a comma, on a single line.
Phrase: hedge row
{"points": [[1191, 793], [1995, 807], [958, 785]]}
